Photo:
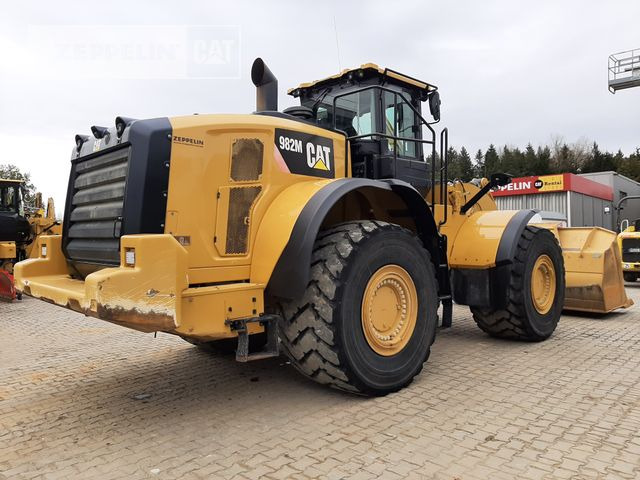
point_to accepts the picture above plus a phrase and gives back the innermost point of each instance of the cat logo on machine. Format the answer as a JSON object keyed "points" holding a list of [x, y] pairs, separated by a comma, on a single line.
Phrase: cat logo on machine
{"points": [[304, 154]]}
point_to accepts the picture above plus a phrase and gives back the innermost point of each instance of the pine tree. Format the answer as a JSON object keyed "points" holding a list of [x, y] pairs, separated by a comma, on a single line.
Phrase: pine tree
{"points": [[563, 159], [491, 161], [598, 161], [479, 165], [453, 164], [465, 165], [542, 160], [630, 166], [529, 162], [507, 162]]}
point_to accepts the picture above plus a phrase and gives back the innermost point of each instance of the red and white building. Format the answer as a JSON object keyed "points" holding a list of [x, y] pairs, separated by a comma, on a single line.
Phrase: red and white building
{"points": [[575, 199]]}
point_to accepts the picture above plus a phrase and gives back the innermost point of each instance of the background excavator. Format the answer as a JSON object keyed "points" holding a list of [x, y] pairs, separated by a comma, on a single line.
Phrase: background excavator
{"points": [[20, 228]]}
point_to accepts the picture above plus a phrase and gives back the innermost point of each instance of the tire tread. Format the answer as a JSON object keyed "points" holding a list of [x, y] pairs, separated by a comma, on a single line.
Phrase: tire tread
{"points": [[511, 322], [307, 330]]}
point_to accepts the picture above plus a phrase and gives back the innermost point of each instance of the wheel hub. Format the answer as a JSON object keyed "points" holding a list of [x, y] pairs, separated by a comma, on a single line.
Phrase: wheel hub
{"points": [[543, 284], [389, 310]]}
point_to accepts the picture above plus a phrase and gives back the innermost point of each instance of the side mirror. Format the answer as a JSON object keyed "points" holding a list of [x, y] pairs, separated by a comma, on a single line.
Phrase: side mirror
{"points": [[434, 105], [500, 179]]}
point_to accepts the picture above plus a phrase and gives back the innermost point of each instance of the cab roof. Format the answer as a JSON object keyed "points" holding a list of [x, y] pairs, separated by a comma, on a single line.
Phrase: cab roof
{"points": [[365, 70]]}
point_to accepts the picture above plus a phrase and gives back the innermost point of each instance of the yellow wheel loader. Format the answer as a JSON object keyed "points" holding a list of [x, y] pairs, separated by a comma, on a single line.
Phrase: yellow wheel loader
{"points": [[325, 230], [19, 230], [629, 242]]}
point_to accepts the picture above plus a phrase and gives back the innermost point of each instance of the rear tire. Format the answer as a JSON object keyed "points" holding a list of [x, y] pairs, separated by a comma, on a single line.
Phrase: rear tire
{"points": [[630, 277], [522, 319], [324, 334]]}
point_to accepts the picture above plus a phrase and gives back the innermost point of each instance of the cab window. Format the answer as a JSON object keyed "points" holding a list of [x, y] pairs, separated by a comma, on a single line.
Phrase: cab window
{"points": [[355, 113], [8, 196], [400, 121]]}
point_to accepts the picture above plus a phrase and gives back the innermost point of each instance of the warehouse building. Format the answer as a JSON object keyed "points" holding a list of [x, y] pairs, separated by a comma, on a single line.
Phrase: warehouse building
{"points": [[577, 200], [622, 187]]}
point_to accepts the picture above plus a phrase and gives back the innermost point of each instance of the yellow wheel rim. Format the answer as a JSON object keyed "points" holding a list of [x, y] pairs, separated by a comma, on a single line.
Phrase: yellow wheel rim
{"points": [[543, 284], [389, 310]]}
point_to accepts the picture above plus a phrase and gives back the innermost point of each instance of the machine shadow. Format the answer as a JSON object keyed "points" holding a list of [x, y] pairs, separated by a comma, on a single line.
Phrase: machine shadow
{"points": [[194, 385]]}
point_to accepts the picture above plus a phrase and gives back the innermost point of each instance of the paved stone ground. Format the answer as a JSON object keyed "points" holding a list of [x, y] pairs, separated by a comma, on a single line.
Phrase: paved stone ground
{"points": [[80, 398]]}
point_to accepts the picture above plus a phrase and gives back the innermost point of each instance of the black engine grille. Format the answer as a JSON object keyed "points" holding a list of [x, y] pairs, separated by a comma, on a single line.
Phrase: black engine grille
{"points": [[631, 249], [95, 220], [117, 186]]}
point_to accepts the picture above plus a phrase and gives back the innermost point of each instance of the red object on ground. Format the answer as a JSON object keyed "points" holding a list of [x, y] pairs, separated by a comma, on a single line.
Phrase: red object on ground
{"points": [[7, 289]]}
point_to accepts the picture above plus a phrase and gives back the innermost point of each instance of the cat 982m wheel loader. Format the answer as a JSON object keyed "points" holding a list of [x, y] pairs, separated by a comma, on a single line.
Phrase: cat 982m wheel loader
{"points": [[325, 230]]}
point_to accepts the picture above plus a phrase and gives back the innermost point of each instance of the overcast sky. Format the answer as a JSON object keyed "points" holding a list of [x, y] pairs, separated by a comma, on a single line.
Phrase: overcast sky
{"points": [[508, 72]]}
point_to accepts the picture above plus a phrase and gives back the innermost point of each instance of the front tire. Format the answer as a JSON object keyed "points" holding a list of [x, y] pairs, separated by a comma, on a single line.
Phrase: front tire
{"points": [[535, 291], [630, 277], [368, 317]]}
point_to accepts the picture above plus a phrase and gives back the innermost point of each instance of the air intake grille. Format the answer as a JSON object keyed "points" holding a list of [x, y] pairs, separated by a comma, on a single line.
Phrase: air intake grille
{"points": [[96, 208], [246, 159], [631, 249], [240, 201]]}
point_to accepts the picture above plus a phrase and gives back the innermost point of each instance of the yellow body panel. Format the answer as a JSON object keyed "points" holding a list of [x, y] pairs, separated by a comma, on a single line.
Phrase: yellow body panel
{"points": [[7, 250], [200, 180], [184, 282], [151, 296], [276, 226], [474, 240], [486, 229]]}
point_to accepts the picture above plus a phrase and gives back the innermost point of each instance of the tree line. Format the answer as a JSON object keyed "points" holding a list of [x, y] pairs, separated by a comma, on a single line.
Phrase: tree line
{"points": [[559, 157]]}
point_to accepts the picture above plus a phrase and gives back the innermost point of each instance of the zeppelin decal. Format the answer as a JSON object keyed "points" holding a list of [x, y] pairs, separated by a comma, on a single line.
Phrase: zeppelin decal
{"points": [[305, 154], [193, 142]]}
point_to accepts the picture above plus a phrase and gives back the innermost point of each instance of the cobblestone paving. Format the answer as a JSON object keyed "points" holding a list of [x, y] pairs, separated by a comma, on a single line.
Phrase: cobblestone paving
{"points": [[80, 398]]}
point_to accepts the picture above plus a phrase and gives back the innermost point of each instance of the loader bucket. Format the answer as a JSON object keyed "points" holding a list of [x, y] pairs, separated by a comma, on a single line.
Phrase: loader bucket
{"points": [[7, 289], [593, 269]]}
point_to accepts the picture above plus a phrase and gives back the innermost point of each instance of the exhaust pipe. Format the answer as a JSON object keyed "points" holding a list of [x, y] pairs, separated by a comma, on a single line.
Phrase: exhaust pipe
{"points": [[266, 86]]}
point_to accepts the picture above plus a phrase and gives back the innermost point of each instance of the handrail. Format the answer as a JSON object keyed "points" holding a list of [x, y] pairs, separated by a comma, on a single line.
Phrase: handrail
{"points": [[623, 67], [444, 148]]}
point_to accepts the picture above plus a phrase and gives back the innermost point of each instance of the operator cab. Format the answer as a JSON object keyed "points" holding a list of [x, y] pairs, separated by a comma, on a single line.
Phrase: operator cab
{"points": [[11, 196], [379, 110], [14, 227]]}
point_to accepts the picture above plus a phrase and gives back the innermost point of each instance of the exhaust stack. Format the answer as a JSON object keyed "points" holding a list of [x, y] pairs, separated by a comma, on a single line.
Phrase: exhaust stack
{"points": [[266, 86]]}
